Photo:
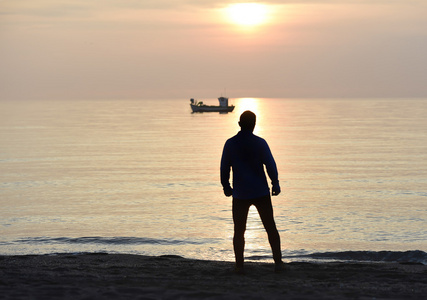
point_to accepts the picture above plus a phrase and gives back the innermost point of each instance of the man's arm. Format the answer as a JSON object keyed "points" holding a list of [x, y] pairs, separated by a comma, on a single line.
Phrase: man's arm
{"points": [[271, 167], [225, 171]]}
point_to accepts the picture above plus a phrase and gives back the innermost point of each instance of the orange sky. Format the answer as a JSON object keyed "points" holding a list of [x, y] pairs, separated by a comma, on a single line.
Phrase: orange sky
{"points": [[75, 49]]}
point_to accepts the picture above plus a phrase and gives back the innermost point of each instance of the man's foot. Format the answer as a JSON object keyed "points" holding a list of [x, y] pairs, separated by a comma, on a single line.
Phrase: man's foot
{"points": [[279, 267]]}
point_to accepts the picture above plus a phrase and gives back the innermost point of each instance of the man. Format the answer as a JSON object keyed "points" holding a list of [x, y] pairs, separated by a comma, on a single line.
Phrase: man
{"points": [[246, 154]]}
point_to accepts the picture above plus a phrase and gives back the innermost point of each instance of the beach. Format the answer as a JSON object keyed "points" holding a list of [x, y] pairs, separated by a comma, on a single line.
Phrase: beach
{"points": [[124, 276], [138, 182]]}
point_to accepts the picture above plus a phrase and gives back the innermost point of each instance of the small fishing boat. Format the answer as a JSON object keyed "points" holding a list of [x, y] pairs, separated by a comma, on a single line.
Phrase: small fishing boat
{"points": [[222, 107]]}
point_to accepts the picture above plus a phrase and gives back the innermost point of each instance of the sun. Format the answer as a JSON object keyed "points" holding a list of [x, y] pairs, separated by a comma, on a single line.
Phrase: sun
{"points": [[247, 14]]}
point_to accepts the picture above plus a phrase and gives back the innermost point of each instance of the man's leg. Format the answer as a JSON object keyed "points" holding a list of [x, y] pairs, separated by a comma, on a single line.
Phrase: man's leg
{"points": [[240, 216], [265, 210]]}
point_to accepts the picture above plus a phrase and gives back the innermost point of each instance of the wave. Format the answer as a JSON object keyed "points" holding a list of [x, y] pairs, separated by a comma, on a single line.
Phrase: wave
{"points": [[403, 257], [120, 245], [414, 256], [112, 241]]}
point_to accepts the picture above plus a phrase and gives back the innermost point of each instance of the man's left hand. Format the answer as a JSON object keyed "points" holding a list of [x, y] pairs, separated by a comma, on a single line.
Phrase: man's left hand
{"points": [[275, 190]]}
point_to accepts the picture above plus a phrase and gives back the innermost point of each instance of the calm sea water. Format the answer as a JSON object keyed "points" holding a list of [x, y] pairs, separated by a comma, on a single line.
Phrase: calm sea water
{"points": [[139, 176]]}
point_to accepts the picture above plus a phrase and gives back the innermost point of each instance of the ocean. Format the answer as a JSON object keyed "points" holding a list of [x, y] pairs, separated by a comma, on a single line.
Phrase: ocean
{"points": [[142, 177]]}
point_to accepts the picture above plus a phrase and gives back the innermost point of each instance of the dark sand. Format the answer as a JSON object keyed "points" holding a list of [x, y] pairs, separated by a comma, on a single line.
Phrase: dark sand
{"points": [[102, 276]]}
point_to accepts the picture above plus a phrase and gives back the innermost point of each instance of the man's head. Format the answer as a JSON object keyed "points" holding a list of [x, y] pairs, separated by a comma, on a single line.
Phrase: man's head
{"points": [[247, 121]]}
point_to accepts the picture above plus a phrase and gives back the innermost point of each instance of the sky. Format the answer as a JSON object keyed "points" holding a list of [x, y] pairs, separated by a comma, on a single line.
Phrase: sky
{"points": [[164, 49]]}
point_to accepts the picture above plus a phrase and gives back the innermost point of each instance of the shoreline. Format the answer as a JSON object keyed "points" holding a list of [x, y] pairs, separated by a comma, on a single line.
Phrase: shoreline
{"points": [[126, 276]]}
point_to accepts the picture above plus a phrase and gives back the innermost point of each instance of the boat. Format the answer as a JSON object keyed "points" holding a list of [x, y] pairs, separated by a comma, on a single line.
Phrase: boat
{"points": [[223, 106]]}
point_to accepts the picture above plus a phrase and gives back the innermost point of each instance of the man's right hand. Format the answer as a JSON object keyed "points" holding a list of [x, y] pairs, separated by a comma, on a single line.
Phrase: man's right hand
{"points": [[228, 191]]}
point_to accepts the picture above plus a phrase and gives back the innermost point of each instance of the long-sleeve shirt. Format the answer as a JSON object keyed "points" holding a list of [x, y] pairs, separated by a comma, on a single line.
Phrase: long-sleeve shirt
{"points": [[246, 154]]}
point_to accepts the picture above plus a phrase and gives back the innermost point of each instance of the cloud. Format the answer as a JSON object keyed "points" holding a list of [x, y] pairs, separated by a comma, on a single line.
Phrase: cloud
{"points": [[82, 8], [56, 8]]}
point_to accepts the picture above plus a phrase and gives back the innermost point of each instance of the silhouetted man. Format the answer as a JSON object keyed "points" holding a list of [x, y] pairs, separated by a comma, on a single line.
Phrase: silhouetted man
{"points": [[246, 154]]}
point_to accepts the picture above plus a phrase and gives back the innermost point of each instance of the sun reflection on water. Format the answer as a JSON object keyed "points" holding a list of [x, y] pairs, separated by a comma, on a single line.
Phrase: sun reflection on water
{"points": [[254, 105], [255, 235], [244, 104]]}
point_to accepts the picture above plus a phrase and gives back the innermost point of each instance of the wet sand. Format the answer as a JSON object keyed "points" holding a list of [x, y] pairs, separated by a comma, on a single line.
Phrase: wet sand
{"points": [[122, 276]]}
